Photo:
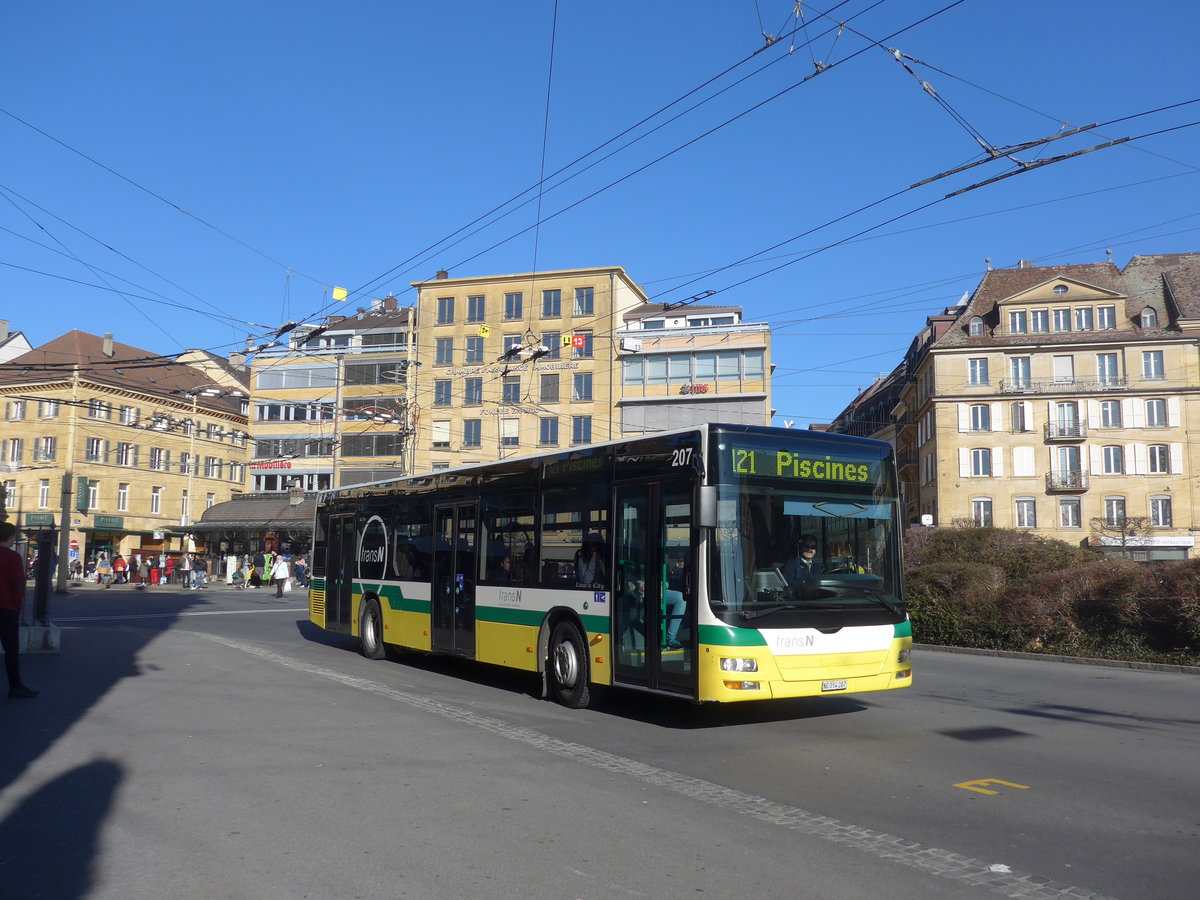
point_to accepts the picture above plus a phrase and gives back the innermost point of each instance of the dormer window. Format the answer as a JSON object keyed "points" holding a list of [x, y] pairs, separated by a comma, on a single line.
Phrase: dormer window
{"points": [[975, 327], [1149, 318]]}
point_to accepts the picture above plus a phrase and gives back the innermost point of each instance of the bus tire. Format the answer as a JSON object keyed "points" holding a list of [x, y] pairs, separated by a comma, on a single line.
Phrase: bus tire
{"points": [[568, 667], [370, 631]]}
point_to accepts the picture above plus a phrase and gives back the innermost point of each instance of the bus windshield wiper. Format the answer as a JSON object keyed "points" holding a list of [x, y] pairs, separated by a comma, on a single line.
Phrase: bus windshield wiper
{"points": [[884, 600], [746, 614]]}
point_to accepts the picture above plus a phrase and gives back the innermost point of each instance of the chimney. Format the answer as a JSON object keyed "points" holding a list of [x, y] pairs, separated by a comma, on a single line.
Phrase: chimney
{"points": [[3, 330], [108, 344], [390, 303], [442, 275], [237, 360], [295, 495]]}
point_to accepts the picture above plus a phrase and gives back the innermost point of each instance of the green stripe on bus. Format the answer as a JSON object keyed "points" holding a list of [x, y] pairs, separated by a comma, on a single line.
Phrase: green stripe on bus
{"points": [[532, 618], [727, 636], [903, 629]]}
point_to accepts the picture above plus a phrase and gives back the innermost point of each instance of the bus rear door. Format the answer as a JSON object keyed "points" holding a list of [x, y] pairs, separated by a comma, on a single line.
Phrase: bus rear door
{"points": [[454, 571], [340, 567]]}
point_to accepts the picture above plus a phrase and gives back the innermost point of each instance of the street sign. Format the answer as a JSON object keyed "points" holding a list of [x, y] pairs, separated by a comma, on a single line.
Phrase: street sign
{"points": [[74, 545]]}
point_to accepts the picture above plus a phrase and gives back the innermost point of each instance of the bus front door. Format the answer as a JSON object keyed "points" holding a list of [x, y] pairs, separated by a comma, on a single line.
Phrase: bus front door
{"points": [[655, 592], [454, 569], [340, 568]]}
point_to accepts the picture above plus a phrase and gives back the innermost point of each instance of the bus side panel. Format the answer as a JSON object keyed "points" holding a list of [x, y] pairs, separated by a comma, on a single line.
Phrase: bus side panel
{"points": [[406, 614], [316, 601], [506, 643]]}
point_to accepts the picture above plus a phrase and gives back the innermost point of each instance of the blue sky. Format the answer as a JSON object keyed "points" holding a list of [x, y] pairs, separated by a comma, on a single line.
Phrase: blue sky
{"points": [[313, 145]]}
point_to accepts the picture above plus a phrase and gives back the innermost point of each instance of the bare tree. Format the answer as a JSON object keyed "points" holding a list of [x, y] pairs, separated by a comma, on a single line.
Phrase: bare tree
{"points": [[1123, 532]]}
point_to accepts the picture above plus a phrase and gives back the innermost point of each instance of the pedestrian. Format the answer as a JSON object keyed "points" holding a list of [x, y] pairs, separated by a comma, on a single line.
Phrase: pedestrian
{"points": [[279, 574], [12, 599], [171, 562], [199, 572], [185, 571], [119, 568], [144, 570], [301, 571]]}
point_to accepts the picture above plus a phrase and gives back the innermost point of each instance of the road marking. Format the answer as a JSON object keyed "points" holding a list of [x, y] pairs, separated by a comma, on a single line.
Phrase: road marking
{"points": [[978, 785], [180, 615], [931, 860]]}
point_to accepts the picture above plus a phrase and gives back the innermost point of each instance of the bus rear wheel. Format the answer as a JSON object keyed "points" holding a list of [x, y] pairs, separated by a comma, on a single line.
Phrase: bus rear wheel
{"points": [[569, 673], [370, 631]]}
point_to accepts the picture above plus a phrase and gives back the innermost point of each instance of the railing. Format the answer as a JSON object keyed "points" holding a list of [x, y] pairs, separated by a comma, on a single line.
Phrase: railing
{"points": [[1053, 386], [1067, 481], [1065, 431]]}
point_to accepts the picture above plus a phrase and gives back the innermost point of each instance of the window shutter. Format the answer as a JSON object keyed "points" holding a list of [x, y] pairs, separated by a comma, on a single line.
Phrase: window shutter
{"points": [[997, 462], [964, 417], [1173, 412], [1022, 462], [1137, 414], [107, 451], [1097, 459], [1136, 459], [997, 414], [1093, 412], [134, 460], [964, 462], [1177, 459]]}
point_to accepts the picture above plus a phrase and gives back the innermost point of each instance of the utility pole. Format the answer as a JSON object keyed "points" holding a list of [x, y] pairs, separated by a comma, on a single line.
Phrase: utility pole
{"points": [[64, 527]]}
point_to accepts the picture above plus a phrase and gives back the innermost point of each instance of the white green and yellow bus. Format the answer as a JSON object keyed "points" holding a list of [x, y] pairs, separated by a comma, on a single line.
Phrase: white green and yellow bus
{"points": [[665, 563]]}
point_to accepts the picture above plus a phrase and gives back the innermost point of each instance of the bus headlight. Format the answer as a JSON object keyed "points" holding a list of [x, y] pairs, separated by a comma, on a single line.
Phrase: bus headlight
{"points": [[738, 664], [905, 656]]}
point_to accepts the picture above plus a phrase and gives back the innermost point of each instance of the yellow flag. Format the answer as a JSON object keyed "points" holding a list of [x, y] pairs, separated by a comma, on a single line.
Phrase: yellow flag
{"points": [[339, 293], [484, 331]]}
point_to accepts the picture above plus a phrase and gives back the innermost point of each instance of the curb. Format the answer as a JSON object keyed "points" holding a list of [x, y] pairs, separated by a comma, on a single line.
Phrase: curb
{"points": [[1074, 660]]}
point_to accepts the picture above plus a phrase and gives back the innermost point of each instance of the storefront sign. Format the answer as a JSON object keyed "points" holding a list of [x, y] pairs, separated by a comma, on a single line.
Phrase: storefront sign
{"points": [[694, 389], [41, 520], [112, 523], [280, 464], [1133, 540]]}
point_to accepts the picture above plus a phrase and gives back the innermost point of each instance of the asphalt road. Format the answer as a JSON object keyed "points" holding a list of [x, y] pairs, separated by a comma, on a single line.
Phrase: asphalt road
{"points": [[214, 744]]}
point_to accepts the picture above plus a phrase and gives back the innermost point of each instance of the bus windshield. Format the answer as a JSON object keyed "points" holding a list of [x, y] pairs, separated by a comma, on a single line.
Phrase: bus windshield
{"points": [[804, 534]]}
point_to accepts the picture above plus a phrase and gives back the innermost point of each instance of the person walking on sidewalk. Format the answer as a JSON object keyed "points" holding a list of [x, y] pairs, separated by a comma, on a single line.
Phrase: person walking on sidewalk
{"points": [[279, 574], [12, 598]]}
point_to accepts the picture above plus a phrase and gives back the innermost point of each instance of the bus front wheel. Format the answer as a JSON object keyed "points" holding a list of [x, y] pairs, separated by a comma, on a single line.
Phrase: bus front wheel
{"points": [[370, 631], [569, 675]]}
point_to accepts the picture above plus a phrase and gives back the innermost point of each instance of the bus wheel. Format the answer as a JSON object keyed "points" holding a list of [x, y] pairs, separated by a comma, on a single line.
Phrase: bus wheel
{"points": [[370, 631], [569, 667]]}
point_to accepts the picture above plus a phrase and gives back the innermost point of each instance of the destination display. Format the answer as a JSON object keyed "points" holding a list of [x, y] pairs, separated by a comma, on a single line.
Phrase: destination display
{"points": [[802, 466]]}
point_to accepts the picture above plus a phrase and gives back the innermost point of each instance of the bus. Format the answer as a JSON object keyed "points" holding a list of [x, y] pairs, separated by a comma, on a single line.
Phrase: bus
{"points": [[663, 563]]}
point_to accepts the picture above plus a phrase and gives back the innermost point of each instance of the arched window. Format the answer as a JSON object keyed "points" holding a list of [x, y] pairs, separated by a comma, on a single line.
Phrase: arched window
{"points": [[975, 328], [1149, 318]]}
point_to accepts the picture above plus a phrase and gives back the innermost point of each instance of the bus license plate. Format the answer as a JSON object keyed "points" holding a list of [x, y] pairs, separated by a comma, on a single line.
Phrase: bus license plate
{"points": [[839, 685]]}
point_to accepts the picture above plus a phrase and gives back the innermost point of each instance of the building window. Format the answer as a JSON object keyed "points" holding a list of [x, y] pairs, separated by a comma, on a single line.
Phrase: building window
{"points": [[1062, 319], [1106, 318], [551, 304], [445, 310], [977, 371], [1026, 512], [1156, 413], [552, 341], [1110, 413], [45, 449], [122, 497], [1019, 368], [441, 392], [472, 432], [1069, 515], [981, 417], [1041, 321], [1152, 365], [93, 495], [512, 344], [440, 434], [210, 501], [48, 409], [159, 460], [581, 386], [511, 389], [981, 512], [581, 429], [126, 455], [1061, 289], [548, 392], [474, 351], [584, 301], [548, 431], [127, 415], [510, 432], [1064, 369], [185, 463], [98, 409], [1160, 512], [1113, 460], [1106, 369], [443, 351], [513, 304], [1083, 318], [155, 500], [581, 344], [981, 463], [1018, 322], [975, 328], [93, 450], [1020, 420], [472, 392], [1160, 459], [475, 309], [43, 494], [1114, 511], [1149, 318]]}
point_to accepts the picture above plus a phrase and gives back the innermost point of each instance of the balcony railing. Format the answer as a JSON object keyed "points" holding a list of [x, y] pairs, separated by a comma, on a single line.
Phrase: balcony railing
{"points": [[1067, 481], [1065, 431], [1066, 385]]}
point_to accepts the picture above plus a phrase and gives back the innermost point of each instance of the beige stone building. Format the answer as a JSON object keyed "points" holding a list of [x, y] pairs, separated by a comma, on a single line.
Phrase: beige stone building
{"points": [[1058, 399], [118, 443], [515, 364]]}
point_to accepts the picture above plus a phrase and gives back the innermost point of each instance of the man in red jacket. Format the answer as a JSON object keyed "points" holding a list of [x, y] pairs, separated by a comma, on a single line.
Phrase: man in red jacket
{"points": [[12, 598]]}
